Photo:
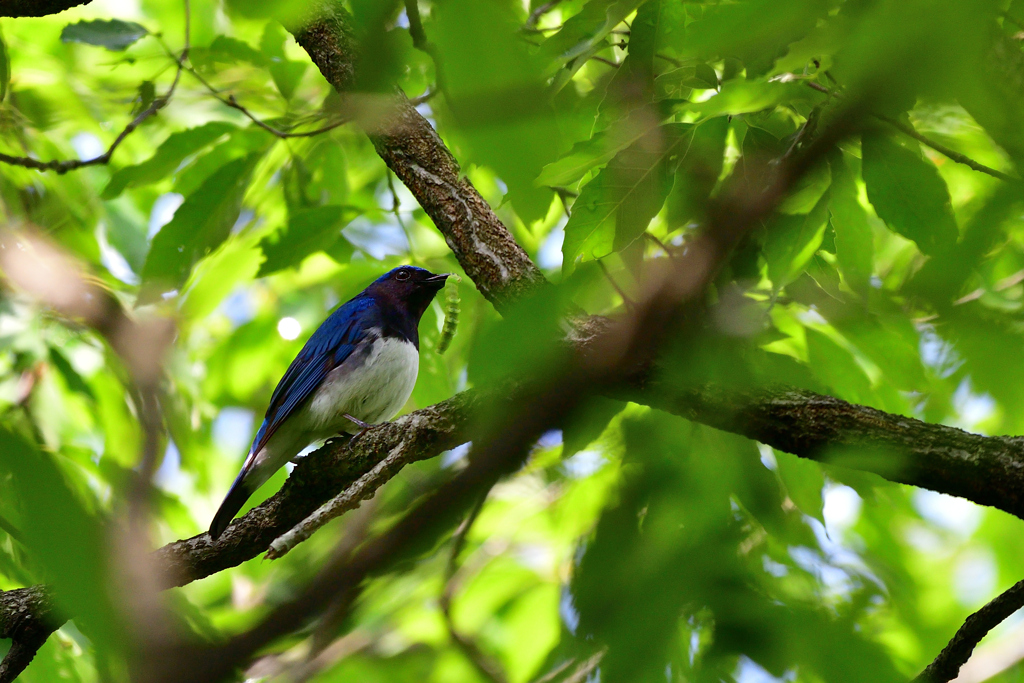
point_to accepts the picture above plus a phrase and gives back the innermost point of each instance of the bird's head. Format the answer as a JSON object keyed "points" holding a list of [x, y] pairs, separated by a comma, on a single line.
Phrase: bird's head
{"points": [[409, 286]]}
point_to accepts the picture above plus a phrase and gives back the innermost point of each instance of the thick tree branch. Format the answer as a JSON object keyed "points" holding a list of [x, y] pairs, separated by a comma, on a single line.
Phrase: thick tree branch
{"points": [[988, 470], [27, 617], [947, 664], [315, 480], [407, 142]]}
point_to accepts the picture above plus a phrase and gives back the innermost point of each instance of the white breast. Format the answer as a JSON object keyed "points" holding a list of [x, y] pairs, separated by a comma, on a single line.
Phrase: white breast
{"points": [[371, 385]]}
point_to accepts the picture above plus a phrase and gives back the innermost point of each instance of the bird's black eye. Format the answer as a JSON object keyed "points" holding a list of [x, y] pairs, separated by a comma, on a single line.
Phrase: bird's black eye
{"points": [[403, 275]]}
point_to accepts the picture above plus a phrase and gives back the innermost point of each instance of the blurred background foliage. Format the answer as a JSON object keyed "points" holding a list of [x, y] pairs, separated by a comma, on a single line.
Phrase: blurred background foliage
{"points": [[598, 129]]}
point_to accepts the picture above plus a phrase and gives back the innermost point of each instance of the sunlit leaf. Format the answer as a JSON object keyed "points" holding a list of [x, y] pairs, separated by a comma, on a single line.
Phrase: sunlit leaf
{"points": [[854, 239], [199, 225], [167, 158], [616, 207]]}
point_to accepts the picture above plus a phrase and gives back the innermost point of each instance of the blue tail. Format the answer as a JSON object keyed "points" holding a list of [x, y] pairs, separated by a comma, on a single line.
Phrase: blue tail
{"points": [[233, 502]]}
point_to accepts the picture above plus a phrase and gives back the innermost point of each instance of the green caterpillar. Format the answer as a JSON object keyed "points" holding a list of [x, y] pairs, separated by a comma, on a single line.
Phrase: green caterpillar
{"points": [[451, 312]]}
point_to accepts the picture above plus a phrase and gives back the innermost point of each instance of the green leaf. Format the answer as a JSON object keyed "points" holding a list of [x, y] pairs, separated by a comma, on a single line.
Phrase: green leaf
{"points": [[113, 34], [837, 368], [804, 483], [907, 192], [65, 538], [677, 83], [596, 151], [586, 29], [698, 172], [498, 98], [854, 240], [169, 155], [286, 73], [741, 97], [200, 224], [309, 231], [615, 207], [239, 143], [792, 241], [225, 50]]}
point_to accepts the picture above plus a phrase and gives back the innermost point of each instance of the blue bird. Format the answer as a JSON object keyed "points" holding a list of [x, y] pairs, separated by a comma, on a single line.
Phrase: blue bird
{"points": [[358, 368]]}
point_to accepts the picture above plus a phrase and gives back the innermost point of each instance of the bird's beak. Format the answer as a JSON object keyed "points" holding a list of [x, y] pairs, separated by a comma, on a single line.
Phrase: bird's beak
{"points": [[438, 279]]}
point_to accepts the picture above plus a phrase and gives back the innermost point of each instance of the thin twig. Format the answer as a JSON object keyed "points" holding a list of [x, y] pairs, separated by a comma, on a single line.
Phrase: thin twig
{"points": [[909, 131], [425, 97], [230, 101], [615, 285], [62, 166], [349, 499], [536, 14], [604, 60], [11, 530], [947, 664], [420, 41], [664, 247]]}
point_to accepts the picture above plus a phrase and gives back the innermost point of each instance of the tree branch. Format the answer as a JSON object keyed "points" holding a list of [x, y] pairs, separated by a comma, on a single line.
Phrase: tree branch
{"points": [[412, 149], [959, 158], [947, 664], [28, 617], [319, 476]]}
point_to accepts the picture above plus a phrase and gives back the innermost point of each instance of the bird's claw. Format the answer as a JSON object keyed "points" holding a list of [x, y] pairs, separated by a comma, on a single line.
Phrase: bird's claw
{"points": [[363, 428]]}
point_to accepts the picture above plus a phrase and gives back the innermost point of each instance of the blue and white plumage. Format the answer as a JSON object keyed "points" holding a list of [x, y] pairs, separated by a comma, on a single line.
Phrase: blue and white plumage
{"points": [[359, 367]]}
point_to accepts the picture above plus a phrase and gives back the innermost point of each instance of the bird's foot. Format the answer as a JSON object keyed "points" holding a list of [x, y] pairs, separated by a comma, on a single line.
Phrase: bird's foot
{"points": [[363, 427]]}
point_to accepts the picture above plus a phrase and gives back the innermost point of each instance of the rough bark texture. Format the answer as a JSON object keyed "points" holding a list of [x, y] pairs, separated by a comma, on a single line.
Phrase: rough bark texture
{"points": [[37, 8], [986, 470], [410, 146], [28, 617]]}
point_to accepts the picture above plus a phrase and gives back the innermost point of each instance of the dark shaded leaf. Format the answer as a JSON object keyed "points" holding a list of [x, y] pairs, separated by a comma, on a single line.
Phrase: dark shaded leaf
{"points": [[588, 424], [113, 34], [907, 192], [71, 377]]}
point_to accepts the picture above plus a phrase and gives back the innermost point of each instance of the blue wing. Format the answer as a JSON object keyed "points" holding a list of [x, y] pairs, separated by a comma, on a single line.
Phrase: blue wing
{"points": [[328, 348]]}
